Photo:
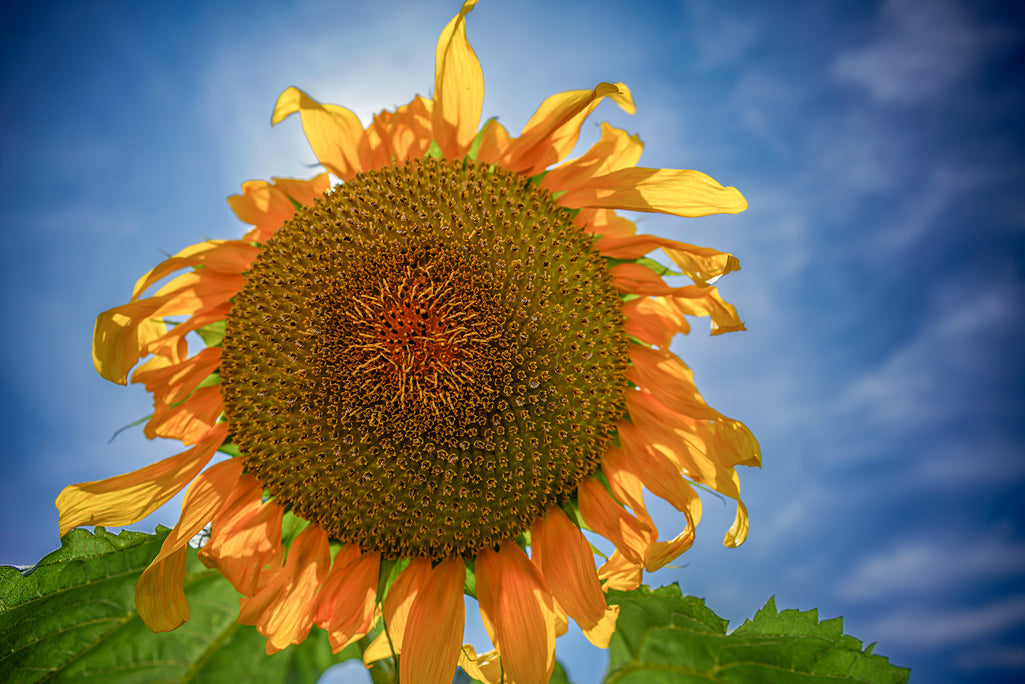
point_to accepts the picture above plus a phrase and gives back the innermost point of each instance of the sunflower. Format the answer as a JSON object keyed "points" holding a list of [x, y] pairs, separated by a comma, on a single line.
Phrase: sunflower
{"points": [[455, 352]]}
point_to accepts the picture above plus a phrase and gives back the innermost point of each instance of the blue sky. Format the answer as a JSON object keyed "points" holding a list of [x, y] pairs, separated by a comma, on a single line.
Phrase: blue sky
{"points": [[879, 145]]}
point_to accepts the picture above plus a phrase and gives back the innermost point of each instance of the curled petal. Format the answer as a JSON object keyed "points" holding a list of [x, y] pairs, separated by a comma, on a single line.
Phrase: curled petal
{"points": [[159, 595], [567, 563], [458, 88], [268, 205], [334, 132], [282, 609], [125, 499], [518, 613], [430, 647], [553, 130], [668, 191], [486, 667], [668, 380], [620, 574], [606, 517]]}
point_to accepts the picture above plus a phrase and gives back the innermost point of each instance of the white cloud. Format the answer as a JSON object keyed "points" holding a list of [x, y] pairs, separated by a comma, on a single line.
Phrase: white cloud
{"points": [[924, 566], [937, 627], [921, 48]]}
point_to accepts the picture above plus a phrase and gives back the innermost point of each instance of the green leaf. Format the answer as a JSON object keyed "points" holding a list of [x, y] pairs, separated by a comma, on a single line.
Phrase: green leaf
{"points": [[559, 675], [664, 637], [213, 334], [73, 619]]}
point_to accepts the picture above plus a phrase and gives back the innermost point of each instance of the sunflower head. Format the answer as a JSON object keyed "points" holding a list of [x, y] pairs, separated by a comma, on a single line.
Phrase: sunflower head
{"points": [[453, 352]]}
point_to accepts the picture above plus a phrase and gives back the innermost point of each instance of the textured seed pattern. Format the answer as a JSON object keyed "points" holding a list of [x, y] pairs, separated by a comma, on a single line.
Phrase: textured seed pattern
{"points": [[425, 360]]}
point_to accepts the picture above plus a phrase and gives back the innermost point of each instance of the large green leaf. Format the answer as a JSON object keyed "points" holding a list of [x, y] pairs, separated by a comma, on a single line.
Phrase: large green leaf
{"points": [[662, 637], [73, 619]]}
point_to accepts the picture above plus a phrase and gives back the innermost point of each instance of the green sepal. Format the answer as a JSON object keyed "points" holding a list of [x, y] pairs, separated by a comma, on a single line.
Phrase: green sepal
{"points": [[478, 139], [470, 582], [434, 150], [230, 449], [213, 333]]}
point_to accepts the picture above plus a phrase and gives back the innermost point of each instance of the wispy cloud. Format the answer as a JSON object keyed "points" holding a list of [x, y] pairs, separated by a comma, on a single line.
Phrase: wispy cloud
{"points": [[935, 627], [917, 567], [919, 50]]}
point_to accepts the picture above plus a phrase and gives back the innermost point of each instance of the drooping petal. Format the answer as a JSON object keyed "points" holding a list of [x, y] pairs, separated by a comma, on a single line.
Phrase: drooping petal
{"points": [[123, 333], [128, 498], [620, 574], [668, 380], [159, 595], [702, 264], [567, 563], [486, 667], [223, 256], [668, 191], [282, 609], [172, 383], [345, 604], [397, 604], [606, 517], [430, 645], [268, 205], [189, 420], [245, 536], [553, 129], [458, 88], [655, 471], [333, 131], [518, 612]]}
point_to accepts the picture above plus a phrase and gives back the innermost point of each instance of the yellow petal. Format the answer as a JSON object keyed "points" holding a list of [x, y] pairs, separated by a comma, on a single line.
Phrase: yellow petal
{"points": [[668, 380], [159, 595], [620, 574], [518, 612], [334, 132], [125, 499], [567, 563], [430, 645], [397, 604], [458, 88], [553, 130], [669, 191], [616, 150]]}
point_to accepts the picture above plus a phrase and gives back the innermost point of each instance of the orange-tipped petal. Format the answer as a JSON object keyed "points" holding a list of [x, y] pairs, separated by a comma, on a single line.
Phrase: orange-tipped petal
{"points": [[223, 256], [282, 609], [567, 563], [128, 498], [334, 132], [668, 191], [518, 612], [431, 643], [346, 602], [606, 517], [244, 537], [159, 595], [189, 420], [458, 88], [172, 383], [553, 129], [668, 380], [268, 205], [397, 604], [620, 574]]}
